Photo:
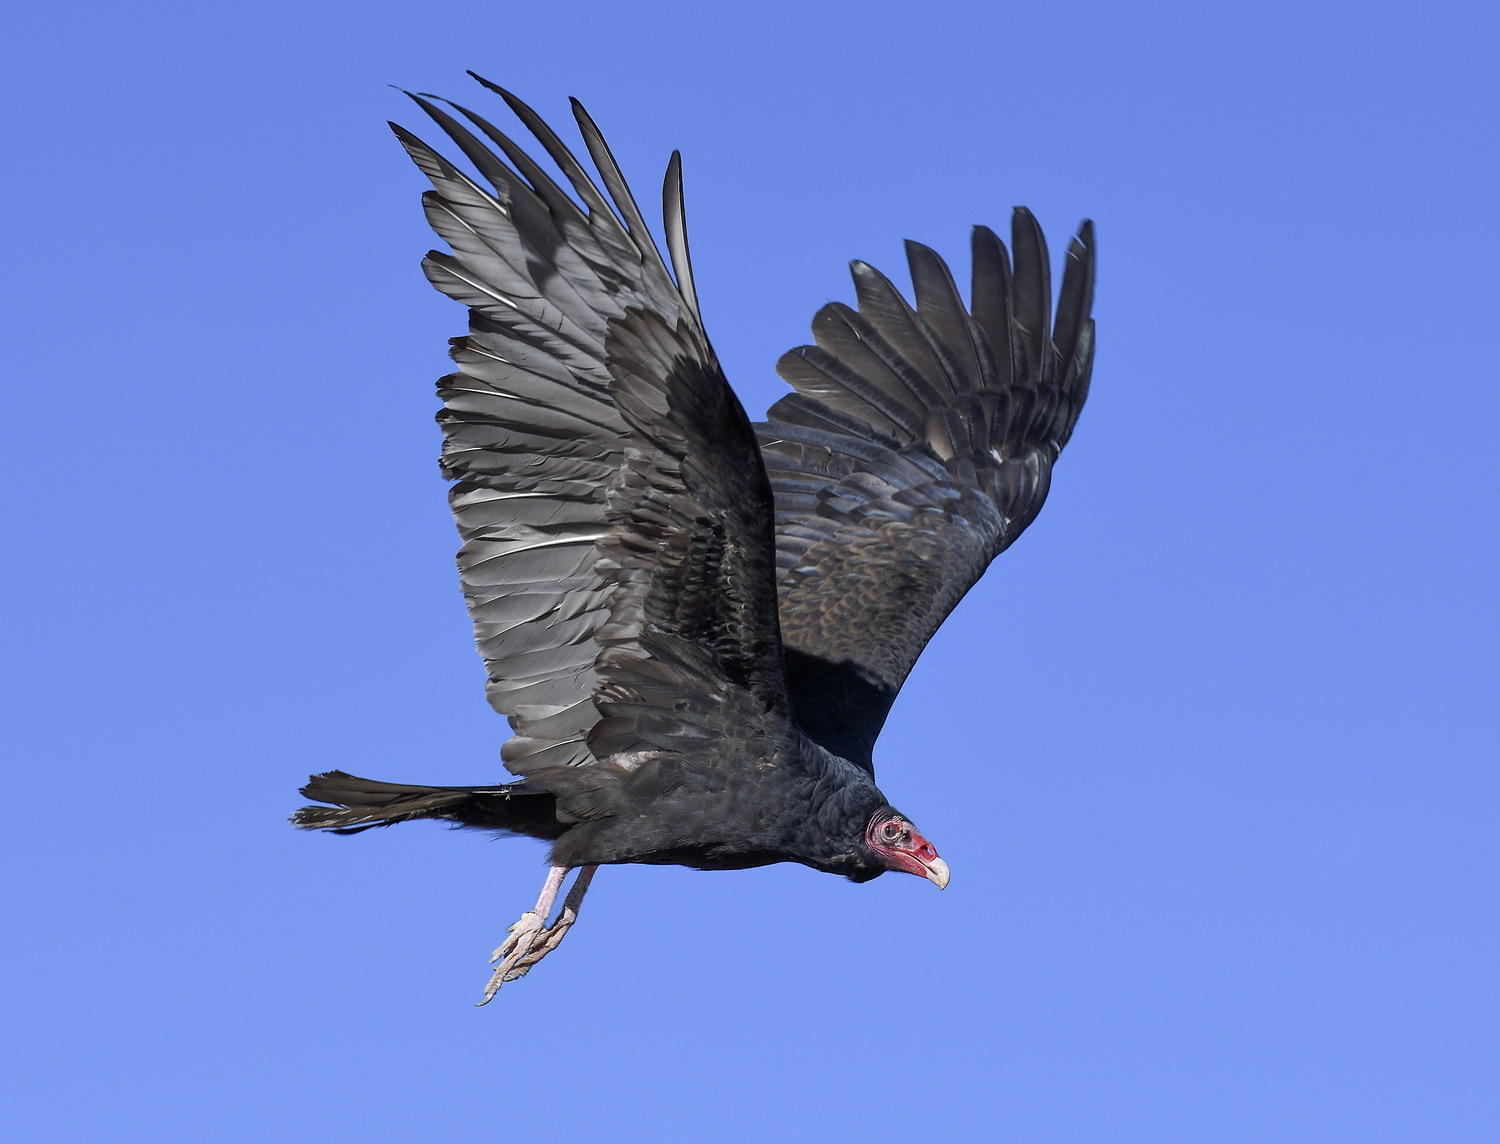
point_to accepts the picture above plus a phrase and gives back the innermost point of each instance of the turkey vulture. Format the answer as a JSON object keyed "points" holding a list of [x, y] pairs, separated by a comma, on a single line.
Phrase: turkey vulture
{"points": [[697, 625]]}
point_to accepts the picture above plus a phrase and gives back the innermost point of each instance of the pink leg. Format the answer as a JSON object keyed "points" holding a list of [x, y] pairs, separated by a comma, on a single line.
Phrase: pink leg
{"points": [[550, 887], [552, 937]]}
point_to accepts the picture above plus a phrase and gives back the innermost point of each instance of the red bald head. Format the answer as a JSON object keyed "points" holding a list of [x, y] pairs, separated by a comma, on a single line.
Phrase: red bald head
{"points": [[900, 847]]}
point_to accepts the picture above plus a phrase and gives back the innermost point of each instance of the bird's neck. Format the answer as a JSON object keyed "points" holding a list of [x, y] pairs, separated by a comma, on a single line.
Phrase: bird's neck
{"points": [[841, 799]]}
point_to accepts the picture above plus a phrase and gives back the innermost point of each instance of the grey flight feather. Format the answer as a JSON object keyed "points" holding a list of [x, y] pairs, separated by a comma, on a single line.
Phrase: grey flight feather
{"points": [[618, 547]]}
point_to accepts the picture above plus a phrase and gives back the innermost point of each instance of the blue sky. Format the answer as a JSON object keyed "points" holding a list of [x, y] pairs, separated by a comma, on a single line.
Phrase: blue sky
{"points": [[1211, 751]]}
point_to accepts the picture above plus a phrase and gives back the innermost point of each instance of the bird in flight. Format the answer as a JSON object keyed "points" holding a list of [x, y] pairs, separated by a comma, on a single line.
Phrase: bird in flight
{"points": [[696, 625]]}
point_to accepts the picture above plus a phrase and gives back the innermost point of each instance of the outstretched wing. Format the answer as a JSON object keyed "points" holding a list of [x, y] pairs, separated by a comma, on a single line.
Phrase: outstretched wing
{"points": [[918, 446], [618, 556]]}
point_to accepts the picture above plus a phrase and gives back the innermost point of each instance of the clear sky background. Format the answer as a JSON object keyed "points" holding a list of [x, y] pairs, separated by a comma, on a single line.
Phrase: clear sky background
{"points": [[1212, 751]]}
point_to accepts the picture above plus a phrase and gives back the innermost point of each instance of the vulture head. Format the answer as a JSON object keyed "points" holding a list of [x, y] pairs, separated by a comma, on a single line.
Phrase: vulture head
{"points": [[898, 845]]}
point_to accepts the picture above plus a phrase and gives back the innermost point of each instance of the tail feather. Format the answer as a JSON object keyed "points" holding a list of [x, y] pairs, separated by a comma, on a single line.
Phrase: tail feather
{"points": [[359, 804]]}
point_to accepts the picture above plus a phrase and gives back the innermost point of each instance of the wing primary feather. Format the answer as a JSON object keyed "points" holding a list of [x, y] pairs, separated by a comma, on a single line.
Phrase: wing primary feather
{"points": [[1074, 332], [990, 297], [1075, 297], [674, 213], [1033, 289], [614, 181]]}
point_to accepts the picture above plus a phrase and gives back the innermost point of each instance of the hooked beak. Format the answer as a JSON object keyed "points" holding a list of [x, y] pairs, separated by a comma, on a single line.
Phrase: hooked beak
{"points": [[937, 873]]}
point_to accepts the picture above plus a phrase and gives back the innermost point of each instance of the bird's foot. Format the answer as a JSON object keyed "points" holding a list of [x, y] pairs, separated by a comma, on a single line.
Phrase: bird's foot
{"points": [[513, 950], [546, 941], [528, 942], [531, 939]]}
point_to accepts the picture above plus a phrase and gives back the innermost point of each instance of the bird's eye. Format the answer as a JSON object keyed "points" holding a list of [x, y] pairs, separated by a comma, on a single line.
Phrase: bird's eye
{"points": [[891, 832]]}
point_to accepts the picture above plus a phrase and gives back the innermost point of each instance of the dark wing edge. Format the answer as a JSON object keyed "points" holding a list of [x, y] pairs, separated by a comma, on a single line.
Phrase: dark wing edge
{"points": [[918, 445], [586, 430]]}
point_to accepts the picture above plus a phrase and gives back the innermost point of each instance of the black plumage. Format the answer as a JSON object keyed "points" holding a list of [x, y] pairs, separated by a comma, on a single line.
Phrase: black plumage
{"points": [[697, 625]]}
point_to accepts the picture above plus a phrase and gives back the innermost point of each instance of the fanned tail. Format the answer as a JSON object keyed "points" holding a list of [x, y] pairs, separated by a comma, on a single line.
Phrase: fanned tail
{"points": [[359, 804]]}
